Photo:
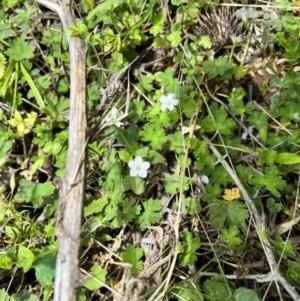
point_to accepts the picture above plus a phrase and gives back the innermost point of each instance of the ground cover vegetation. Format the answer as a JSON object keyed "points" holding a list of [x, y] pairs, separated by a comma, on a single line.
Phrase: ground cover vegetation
{"points": [[193, 167]]}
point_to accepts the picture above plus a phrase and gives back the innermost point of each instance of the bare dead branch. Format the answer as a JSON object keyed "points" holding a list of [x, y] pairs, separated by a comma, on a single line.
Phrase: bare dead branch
{"points": [[72, 192]]}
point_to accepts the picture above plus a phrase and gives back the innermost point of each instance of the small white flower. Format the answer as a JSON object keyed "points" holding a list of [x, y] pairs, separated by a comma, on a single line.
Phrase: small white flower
{"points": [[205, 179], [138, 167], [168, 102], [245, 136], [243, 14], [188, 55], [114, 118], [248, 131]]}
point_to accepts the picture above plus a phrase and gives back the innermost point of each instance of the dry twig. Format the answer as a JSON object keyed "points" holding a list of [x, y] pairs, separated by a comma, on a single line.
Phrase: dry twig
{"points": [[72, 191]]}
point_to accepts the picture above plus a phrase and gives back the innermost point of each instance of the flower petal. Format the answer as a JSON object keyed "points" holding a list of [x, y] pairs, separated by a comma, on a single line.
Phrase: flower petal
{"points": [[163, 99], [131, 164], [163, 107], [171, 107], [175, 101], [142, 173], [133, 172], [119, 124], [138, 160], [145, 165], [170, 96], [205, 179]]}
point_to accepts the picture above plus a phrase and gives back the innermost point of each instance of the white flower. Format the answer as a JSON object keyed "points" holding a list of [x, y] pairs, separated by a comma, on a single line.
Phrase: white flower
{"points": [[205, 179], [114, 118], [188, 55], [248, 131], [243, 14], [138, 167], [168, 102]]}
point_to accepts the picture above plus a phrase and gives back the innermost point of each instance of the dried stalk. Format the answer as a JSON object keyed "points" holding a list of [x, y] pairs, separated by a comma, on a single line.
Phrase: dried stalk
{"points": [[72, 191]]}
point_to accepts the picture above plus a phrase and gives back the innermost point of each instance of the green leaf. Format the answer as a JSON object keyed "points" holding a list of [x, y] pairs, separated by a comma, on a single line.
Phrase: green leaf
{"points": [[155, 157], [30, 192], [236, 102], [12, 232], [188, 291], [151, 214], [150, 131], [237, 213], [130, 210], [138, 110], [20, 50], [160, 119], [5, 31], [177, 142], [193, 206], [25, 258], [4, 295], [113, 178], [127, 214], [189, 107], [79, 30], [157, 24], [266, 156], [6, 262], [290, 112], [34, 90], [270, 180], [133, 256], [42, 82], [218, 288], [98, 280], [136, 184], [168, 81], [260, 121], [293, 271], [172, 184], [45, 269], [284, 248], [103, 7], [95, 207], [146, 14], [200, 148], [273, 206], [216, 67], [287, 158], [128, 136], [175, 36], [205, 42], [230, 236], [39, 161], [113, 214], [238, 72], [217, 213], [24, 295], [219, 121], [178, 2], [187, 249], [146, 83], [5, 146], [244, 294]]}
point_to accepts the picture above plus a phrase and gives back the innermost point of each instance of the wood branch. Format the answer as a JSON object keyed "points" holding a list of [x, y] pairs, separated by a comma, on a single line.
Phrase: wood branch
{"points": [[72, 192]]}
